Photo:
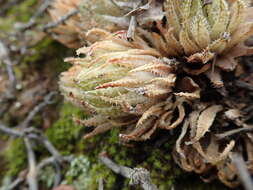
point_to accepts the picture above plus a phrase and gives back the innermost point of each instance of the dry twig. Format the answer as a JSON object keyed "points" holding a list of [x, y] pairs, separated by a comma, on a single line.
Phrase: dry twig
{"points": [[101, 184], [137, 176], [244, 85], [20, 179], [242, 171], [48, 99], [234, 132], [32, 174], [43, 7], [10, 93], [61, 20], [31, 134]]}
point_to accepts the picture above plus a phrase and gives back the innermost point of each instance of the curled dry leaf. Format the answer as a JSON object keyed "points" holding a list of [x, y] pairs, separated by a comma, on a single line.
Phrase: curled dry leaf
{"points": [[205, 121], [189, 89], [212, 154], [180, 138], [228, 175]]}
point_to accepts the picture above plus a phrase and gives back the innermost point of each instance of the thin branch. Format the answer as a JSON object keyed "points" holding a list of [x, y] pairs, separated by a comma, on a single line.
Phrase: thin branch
{"points": [[19, 180], [49, 146], [51, 160], [101, 184], [37, 135], [10, 93], [10, 131], [43, 7], [137, 176], [139, 9], [33, 134], [58, 171], [234, 132], [131, 28], [48, 99], [56, 159], [32, 174], [61, 20], [242, 171], [15, 183], [244, 85]]}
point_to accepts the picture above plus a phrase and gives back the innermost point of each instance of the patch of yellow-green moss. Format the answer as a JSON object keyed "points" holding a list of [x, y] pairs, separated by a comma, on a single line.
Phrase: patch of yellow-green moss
{"points": [[16, 157], [23, 11], [19, 13], [64, 133]]}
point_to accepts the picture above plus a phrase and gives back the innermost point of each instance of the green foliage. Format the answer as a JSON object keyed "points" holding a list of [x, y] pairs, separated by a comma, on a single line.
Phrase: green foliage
{"points": [[16, 157]]}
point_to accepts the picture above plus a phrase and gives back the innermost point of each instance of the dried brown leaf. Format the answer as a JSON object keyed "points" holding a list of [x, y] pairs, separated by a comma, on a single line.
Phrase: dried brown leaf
{"points": [[205, 121], [212, 155]]}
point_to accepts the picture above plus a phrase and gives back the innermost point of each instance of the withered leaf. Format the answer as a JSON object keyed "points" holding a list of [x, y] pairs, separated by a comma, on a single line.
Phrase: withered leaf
{"points": [[205, 121]]}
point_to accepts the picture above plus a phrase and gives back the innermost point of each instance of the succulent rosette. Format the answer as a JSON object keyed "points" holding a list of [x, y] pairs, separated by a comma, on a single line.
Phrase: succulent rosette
{"points": [[144, 84], [123, 83]]}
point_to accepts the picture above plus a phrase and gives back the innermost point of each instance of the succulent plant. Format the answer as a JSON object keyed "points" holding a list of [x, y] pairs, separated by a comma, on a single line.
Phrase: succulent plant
{"points": [[199, 30], [143, 85], [121, 82]]}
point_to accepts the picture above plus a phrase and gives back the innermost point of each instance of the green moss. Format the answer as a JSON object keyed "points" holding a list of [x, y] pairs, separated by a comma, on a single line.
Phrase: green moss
{"points": [[16, 157], [23, 11], [98, 171], [20, 13], [64, 133], [158, 161]]}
